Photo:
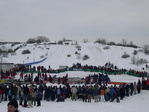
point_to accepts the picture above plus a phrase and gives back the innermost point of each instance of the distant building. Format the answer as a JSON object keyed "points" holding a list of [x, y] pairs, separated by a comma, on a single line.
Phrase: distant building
{"points": [[5, 65]]}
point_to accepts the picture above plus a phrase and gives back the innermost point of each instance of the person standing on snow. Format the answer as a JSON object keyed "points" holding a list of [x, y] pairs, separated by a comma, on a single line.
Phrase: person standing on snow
{"points": [[74, 93]]}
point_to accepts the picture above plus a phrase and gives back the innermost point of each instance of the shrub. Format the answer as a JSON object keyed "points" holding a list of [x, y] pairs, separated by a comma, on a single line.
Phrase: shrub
{"points": [[146, 49], [10, 50], [135, 52], [42, 56], [85, 57], [31, 40], [107, 47], [142, 61], [60, 42], [111, 43], [125, 55], [26, 52]]}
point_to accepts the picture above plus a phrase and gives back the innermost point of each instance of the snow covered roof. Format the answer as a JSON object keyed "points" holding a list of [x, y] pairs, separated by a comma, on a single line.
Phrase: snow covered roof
{"points": [[3, 61]]}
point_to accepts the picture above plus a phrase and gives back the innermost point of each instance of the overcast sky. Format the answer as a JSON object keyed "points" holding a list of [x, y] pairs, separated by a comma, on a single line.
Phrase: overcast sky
{"points": [[112, 20]]}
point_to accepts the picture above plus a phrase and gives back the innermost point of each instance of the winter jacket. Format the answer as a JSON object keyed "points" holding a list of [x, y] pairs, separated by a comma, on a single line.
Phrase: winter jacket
{"points": [[1, 90], [25, 90], [15, 90], [9, 92], [74, 90], [39, 96], [90, 91], [29, 98], [80, 91], [33, 94], [96, 91], [58, 91], [102, 92], [147, 82], [112, 91]]}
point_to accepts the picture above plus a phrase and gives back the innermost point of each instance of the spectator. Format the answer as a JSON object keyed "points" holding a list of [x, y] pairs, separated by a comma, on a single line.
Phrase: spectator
{"points": [[13, 106]]}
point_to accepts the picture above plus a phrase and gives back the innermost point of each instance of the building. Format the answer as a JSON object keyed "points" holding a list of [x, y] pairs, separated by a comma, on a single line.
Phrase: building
{"points": [[5, 65]]}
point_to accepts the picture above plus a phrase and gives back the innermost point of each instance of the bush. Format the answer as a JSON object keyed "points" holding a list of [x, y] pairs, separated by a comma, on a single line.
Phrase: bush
{"points": [[39, 39], [111, 43], [85, 57], [107, 47], [10, 50], [42, 39], [42, 56], [26, 52], [146, 49], [60, 42], [31, 40], [147, 52], [135, 52], [142, 61], [125, 55]]}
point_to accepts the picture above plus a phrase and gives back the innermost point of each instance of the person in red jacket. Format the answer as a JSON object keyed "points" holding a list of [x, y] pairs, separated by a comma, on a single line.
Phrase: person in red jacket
{"points": [[147, 83]]}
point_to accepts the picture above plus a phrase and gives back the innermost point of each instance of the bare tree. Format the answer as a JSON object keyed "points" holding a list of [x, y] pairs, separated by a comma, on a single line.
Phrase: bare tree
{"points": [[133, 59], [146, 49], [31, 40], [131, 43], [103, 41], [42, 39], [124, 42]]}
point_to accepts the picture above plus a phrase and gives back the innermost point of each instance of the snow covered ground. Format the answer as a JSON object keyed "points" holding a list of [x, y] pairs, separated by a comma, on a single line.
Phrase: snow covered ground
{"points": [[135, 103], [57, 55]]}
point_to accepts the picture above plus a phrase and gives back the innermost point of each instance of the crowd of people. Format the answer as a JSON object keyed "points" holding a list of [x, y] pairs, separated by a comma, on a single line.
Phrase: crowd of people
{"points": [[32, 91], [32, 94], [108, 68]]}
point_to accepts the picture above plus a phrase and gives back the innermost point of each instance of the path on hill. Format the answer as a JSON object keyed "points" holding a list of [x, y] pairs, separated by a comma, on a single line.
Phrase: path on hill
{"points": [[58, 55], [96, 55]]}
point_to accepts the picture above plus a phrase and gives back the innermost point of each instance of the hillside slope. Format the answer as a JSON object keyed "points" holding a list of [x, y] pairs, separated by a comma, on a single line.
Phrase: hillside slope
{"points": [[62, 55]]}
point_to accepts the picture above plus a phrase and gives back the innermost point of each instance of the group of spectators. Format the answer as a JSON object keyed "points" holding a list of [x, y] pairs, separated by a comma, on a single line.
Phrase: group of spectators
{"points": [[31, 94], [108, 68], [96, 88]]}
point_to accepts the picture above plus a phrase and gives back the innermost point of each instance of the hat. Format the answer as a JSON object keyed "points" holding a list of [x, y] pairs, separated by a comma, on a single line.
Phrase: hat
{"points": [[14, 103]]}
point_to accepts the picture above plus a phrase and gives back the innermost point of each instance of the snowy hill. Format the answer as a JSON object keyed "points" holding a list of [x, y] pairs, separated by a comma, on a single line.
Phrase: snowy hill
{"points": [[62, 55], [57, 55]]}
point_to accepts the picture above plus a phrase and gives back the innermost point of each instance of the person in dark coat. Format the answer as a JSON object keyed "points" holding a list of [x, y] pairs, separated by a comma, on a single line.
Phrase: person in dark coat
{"points": [[25, 92], [122, 91], [13, 106], [90, 93], [80, 91], [6, 93], [139, 85], [1, 92], [131, 88], [39, 98], [127, 89], [15, 91], [96, 93], [117, 94], [84, 94], [143, 83]]}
